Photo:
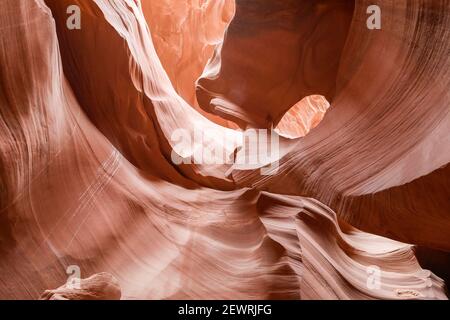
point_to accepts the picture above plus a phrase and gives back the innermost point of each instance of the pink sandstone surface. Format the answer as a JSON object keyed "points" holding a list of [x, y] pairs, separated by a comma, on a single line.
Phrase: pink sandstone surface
{"points": [[86, 177]]}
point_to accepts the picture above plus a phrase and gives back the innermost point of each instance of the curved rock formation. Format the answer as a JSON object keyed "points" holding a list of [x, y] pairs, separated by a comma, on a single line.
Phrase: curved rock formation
{"points": [[302, 117], [185, 36], [384, 144], [87, 122], [274, 54], [100, 286]]}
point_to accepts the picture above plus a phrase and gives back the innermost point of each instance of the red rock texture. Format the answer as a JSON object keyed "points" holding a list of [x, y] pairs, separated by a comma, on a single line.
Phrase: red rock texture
{"points": [[100, 286], [87, 116], [276, 52]]}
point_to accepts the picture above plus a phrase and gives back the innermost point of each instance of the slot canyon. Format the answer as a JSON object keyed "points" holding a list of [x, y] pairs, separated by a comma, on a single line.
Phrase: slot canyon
{"points": [[314, 151]]}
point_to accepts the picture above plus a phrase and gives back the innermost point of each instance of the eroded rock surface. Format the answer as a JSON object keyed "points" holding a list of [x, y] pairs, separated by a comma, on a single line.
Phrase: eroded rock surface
{"points": [[101, 286], [86, 124]]}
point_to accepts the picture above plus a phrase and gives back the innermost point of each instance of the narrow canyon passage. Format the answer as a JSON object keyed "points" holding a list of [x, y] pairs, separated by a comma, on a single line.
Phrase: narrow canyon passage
{"points": [[224, 149]]}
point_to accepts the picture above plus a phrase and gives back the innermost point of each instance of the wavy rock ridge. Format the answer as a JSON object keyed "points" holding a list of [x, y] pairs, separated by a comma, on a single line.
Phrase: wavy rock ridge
{"points": [[86, 121]]}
